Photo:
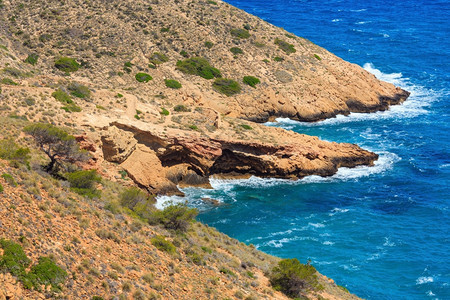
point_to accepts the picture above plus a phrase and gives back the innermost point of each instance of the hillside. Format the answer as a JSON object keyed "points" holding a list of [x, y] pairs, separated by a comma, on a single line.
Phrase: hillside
{"points": [[162, 94]]}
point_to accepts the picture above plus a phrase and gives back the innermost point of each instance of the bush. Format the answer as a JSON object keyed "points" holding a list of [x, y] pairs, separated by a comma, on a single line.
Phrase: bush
{"points": [[251, 81], [181, 108], [236, 50], [137, 201], [173, 84], [15, 261], [62, 96], [158, 58], [143, 77], [11, 151], [317, 57], [198, 66], [246, 127], [285, 46], [8, 81], [226, 86], [32, 59], [46, 273], [240, 33], [209, 45], [293, 278], [277, 58], [1, 188], [162, 244], [164, 112], [184, 53], [176, 217], [67, 64], [83, 182], [9, 179], [79, 90]]}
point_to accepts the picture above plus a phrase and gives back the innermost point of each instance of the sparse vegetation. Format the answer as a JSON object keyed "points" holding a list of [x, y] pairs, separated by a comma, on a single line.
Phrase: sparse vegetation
{"points": [[209, 44], [317, 57], [164, 112], [158, 58], [251, 81], [236, 50], [240, 33], [181, 108], [227, 87], [32, 59], [162, 244], [173, 84], [67, 64], [79, 90], [198, 66], [285, 46], [83, 182], [143, 77]]}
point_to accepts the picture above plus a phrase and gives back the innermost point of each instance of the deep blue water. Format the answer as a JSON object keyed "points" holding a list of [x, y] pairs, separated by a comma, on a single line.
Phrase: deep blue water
{"points": [[383, 232]]}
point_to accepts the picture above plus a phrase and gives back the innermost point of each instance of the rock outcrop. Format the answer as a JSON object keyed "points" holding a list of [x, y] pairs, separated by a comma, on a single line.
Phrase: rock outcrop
{"points": [[162, 159]]}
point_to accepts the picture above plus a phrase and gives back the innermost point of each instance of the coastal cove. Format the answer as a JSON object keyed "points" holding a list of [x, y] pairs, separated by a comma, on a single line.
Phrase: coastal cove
{"points": [[380, 231]]}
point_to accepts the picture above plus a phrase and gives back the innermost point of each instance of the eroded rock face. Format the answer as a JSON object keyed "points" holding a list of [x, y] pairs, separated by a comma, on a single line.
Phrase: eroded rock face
{"points": [[162, 159]]}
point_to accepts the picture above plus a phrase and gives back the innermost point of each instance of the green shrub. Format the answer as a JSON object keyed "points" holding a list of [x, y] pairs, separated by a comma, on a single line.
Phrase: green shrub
{"points": [[143, 77], [79, 90], [193, 127], [128, 64], [173, 84], [240, 33], [162, 244], [107, 235], [184, 53], [277, 58], [62, 96], [9, 179], [236, 50], [246, 127], [343, 288], [30, 101], [1, 188], [181, 108], [83, 182], [224, 270], [285, 46], [209, 44], [176, 216], [11, 151], [137, 201], [71, 108], [293, 278], [227, 87], [317, 57], [32, 59], [212, 2], [251, 81], [67, 64], [164, 112], [14, 260], [8, 81], [46, 273], [158, 58], [198, 66]]}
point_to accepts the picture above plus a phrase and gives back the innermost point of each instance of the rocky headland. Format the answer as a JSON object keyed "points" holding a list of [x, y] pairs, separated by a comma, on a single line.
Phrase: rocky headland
{"points": [[169, 93]]}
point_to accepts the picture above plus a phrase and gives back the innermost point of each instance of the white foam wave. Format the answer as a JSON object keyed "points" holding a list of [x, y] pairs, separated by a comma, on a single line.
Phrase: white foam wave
{"points": [[328, 243], [424, 280], [336, 20], [163, 201], [358, 10], [430, 293], [336, 210], [316, 225]]}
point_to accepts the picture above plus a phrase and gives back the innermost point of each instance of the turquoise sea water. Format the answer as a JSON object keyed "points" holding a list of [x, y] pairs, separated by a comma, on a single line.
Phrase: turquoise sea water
{"points": [[383, 232]]}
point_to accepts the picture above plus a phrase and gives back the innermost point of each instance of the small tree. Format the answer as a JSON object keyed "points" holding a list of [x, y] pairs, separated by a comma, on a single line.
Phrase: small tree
{"points": [[176, 216], [57, 144], [293, 278]]}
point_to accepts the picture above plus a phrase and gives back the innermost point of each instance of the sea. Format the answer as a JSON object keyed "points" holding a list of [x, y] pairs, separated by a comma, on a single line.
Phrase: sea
{"points": [[383, 232]]}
